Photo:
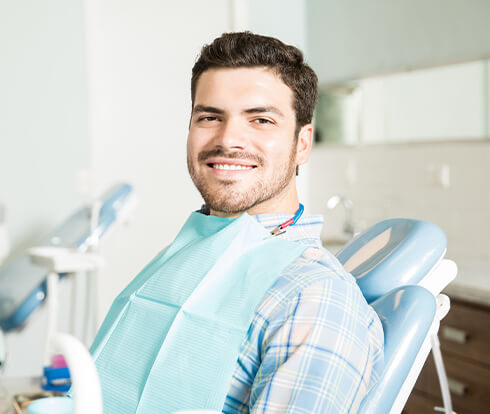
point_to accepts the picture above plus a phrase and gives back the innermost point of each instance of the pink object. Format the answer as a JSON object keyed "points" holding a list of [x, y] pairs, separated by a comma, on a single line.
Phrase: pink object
{"points": [[59, 361]]}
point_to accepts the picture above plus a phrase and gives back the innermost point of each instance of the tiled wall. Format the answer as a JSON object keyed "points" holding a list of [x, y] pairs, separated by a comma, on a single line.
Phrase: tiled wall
{"points": [[403, 180]]}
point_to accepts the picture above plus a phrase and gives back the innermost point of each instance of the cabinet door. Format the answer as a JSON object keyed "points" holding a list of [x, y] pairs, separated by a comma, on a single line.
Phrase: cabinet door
{"points": [[420, 403], [469, 384], [465, 331]]}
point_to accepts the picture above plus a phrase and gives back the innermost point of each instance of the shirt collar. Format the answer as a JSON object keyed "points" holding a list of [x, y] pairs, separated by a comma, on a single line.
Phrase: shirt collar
{"points": [[306, 230]]}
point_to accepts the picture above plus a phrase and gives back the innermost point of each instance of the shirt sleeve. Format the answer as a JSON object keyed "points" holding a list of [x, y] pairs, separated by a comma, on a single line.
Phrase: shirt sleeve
{"points": [[321, 353]]}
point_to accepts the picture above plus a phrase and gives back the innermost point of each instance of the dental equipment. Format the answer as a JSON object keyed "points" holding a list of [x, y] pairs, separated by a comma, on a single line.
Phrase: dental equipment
{"points": [[86, 385], [23, 285], [400, 267], [58, 260]]}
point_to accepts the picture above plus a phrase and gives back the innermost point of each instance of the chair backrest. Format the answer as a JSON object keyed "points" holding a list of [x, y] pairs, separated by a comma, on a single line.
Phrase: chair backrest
{"points": [[408, 316], [399, 266]]}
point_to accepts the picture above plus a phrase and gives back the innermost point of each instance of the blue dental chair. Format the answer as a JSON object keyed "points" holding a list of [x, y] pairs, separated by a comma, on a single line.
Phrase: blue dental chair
{"points": [[400, 267], [23, 285]]}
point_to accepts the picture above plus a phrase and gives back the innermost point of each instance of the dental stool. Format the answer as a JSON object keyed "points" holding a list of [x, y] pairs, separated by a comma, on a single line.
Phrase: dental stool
{"points": [[400, 267]]}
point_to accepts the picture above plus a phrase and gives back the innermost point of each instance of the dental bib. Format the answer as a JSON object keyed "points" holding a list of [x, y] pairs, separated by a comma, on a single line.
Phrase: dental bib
{"points": [[171, 338]]}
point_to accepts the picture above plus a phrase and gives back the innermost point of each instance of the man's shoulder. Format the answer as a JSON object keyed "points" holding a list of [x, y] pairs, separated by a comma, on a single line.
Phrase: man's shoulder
{"points": [[314, 267]]}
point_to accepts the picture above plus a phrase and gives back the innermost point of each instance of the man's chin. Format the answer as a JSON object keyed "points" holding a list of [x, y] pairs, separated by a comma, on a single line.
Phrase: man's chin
{"points": [[227, 203], [227, 209]]}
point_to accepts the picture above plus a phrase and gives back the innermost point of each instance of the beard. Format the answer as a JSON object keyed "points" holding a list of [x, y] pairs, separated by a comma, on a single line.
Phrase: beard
{"points": [[225, 198]]}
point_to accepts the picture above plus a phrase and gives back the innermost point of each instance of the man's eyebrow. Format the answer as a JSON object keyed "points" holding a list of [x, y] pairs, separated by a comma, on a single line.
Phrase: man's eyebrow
{"points": [[210, 109], [262, 109]]}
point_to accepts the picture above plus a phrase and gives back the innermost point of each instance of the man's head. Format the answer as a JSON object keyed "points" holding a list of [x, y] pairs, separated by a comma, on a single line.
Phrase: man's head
{"points": [[248, 50], [253, 99]]}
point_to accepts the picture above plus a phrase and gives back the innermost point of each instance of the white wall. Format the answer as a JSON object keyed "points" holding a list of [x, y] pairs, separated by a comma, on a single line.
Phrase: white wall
{"points": [[43, 117], [43, 136], [284, 19]]}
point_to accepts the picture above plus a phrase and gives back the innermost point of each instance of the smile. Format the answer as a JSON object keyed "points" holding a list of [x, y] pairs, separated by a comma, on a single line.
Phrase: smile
{"points": [[231, 167]]}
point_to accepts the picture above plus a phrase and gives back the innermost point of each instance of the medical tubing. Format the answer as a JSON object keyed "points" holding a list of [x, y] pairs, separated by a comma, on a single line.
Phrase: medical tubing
{"points": [[441, 373], [299, 213], [291, 222]]}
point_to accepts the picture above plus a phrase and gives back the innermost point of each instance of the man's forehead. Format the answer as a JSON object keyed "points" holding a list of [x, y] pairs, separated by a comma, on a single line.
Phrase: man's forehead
{"points": [[247, 87]]}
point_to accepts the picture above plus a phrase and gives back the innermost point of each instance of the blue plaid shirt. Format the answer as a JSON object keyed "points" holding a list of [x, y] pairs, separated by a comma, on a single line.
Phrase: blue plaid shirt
{"points": [[314, 345]]}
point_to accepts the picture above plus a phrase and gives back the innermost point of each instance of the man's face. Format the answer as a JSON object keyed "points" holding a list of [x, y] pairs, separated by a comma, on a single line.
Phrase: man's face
{"points": [[241, 148]]}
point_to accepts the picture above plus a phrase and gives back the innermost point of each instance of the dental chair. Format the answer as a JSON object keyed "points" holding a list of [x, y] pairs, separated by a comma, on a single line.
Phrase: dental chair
{"points": [[23, 285], [400, 267]]}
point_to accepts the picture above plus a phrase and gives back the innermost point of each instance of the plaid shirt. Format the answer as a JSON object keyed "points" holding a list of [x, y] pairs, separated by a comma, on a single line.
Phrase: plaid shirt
{"points": [[314, 345]]}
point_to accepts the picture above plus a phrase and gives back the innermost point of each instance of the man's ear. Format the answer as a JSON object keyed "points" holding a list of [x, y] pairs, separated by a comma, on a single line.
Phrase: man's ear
{"points": [[303, 147]]}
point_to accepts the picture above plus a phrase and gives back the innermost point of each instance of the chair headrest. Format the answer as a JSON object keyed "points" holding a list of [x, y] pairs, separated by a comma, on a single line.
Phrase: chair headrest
{"points": [[393, 253]]}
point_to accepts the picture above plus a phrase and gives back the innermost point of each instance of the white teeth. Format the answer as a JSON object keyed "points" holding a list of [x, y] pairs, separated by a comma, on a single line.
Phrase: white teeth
{"points": [[231, 167]]}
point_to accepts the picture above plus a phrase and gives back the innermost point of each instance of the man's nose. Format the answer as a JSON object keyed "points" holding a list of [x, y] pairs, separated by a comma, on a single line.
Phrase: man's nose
{"points": [[232, 134]]}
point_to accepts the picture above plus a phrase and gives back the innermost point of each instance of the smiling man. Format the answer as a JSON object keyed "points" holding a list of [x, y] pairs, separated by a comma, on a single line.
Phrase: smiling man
{"points": [[245, 311], [314, 345], [243, 147]]}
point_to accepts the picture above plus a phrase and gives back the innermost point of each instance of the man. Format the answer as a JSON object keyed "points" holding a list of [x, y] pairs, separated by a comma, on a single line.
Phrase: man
{"points": [[310, 344]]}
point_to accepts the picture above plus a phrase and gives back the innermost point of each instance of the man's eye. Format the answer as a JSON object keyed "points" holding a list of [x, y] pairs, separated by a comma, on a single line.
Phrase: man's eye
{"points": [[207, 118], [262, 121]]}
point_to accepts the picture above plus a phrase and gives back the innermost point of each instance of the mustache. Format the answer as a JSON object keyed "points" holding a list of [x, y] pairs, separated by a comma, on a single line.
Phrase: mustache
{"points": [[241, 155]]}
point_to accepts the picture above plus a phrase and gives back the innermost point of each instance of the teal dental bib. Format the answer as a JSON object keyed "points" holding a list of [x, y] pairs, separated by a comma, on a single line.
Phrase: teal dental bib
{"points": [[171, 338]]}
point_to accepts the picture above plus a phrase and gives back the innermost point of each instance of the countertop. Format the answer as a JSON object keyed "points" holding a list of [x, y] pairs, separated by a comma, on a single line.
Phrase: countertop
{"points": [[472, 284]]}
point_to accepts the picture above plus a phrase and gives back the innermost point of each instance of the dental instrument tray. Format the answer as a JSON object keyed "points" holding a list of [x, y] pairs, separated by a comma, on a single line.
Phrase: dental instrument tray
{"points": [[23, 284]]}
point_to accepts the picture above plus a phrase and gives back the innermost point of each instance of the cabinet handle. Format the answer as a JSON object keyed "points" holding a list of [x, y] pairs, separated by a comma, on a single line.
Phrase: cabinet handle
{"points": [[457, 387], [454, 335], [442, 410]]}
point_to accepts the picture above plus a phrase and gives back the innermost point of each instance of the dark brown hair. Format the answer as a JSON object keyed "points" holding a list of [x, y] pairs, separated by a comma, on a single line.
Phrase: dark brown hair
{"points": [[246, 49]]}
